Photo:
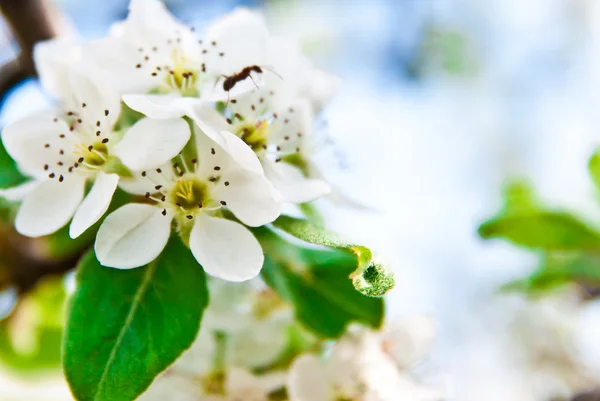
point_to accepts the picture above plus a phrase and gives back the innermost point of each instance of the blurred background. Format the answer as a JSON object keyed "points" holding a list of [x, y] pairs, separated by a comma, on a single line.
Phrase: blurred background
{"points": [[441, 102]]}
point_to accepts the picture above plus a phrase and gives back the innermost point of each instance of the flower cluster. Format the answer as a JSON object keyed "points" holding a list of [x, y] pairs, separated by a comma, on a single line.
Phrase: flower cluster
{"points": [[250, 348], [210, 132]]}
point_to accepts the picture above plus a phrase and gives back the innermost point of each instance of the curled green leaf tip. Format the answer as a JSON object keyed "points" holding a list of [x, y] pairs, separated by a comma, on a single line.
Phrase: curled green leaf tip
{"points": [[374, 281]]}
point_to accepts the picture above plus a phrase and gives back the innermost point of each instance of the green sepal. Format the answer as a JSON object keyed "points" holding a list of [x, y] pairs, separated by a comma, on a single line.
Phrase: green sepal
{"points": [[370, 277], [315, 282]]}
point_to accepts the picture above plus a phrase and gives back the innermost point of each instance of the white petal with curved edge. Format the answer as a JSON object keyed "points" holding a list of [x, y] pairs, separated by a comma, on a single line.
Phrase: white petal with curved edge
{"points": [[138, 185], [115, 59], [132, 236], [95, 203], [159, 106], [307, 380], [52, 59], [49, 206], [151, 143], [25, 141], [242, 36], [212, 126], [225, 249], [251, 198], [19, 192], [292, 184], [97, 94]]}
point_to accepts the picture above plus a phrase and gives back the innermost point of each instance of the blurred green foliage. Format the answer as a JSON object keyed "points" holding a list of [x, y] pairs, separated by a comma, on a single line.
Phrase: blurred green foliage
{"points": [[568, 246], [30, 338]]}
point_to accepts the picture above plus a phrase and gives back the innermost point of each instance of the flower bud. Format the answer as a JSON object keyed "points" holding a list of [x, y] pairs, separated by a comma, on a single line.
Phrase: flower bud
{"points": [[374, 281]]}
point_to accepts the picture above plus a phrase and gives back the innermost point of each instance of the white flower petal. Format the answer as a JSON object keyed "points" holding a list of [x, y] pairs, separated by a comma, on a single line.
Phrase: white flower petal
{"points": [[292, 184], [251, 197], [410, 339], [95, 203], [115, 59], [149, 23], [25, 141], [137, 185], [157, 106], [320, 87], [132, 236], [49, 206], [307, 380], [239, 380], [97, 94], [52, 59], [19, 192], [225, 249], [151, 143], [242, 37], [212, 125]]}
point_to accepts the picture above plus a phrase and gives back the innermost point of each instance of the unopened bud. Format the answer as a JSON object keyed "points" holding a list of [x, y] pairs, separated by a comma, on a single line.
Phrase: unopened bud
{"points": [[375, 281]]}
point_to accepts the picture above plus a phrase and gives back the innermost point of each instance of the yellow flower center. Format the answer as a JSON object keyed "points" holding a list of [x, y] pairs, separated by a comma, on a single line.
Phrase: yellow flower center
{"points": [[189, 194], [92, 156], [255, 135]]}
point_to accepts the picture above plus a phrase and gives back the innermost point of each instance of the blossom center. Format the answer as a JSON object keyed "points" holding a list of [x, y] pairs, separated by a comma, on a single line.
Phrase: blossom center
{"points": [[255, 135], [214, 383], [180, 77], [94, 156], [189, 194]]}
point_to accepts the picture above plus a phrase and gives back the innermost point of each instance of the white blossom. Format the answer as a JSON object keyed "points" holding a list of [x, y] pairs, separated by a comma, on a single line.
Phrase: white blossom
{"points": [[62, 150], [234, 384], [276, 121], [249, 318], [358, 369], [159, 66], [194, 191], [243, 328]]}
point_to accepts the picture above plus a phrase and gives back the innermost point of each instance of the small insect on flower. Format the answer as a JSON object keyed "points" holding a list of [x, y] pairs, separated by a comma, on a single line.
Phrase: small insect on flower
{"points": [[232, 80]]}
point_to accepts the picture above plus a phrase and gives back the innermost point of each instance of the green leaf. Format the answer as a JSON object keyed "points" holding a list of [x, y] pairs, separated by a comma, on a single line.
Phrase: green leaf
{"points": [[519, 198], [315, 283], [542, 230], [594, 168], [370, 277], [9, 174], [30, 338], [557, 271], [124, 327], [312, 213]]}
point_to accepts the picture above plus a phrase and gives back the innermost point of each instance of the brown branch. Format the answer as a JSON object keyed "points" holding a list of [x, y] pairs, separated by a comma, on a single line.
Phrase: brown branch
{"points": [[30, 21], [589, 396]]}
